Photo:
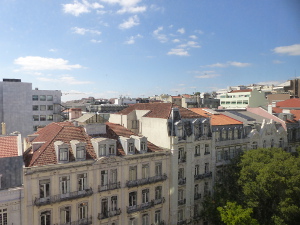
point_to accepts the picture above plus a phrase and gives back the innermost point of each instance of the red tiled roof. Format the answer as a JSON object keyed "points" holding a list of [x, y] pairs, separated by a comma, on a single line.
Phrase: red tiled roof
{"points": [[8, 146], [218, 119], [296, 114], [63, 131], [243, 90], [276, 110], [159, 110], [290, 103]]}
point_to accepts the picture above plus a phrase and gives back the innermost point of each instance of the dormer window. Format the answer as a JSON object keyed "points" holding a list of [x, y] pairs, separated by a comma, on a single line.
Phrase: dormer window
{"points": [[143, 146], [80, 152], [111, 150], [102, 149], [63, 154], [130, 147]]}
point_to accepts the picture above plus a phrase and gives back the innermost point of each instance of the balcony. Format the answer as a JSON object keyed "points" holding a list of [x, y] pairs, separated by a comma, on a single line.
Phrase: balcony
{"points": [[63, 197], [159, 201], [159, 223], [181, 181], [110, 186], [109, 214], [197, 196], [144, 181], [181, 201], [85, 221], [181, 222], [143, 206], [202, 176], [182, 159]]}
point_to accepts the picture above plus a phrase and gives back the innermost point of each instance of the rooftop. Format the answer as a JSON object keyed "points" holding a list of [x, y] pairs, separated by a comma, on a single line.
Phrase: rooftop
{"points": [[8, 146]]}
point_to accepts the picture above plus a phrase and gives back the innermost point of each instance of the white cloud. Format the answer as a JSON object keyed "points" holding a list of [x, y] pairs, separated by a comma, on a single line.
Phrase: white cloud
{"points": [[235, 64], [127, 6], [289, 50], [96, 41], [277, 62], [83, 31], [199, 32], [41, 63], [193, 37], [181, 30], [138, 9], [132, 39], [131, 22], [178, 51], [191, 44], [176, 40], [205, 76], [161, 37], [52, 50], [76, 8], [270, 83], [157, 8], [64, 79]]}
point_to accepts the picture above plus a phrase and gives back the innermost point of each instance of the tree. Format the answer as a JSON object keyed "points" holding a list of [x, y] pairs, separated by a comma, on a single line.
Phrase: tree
{"points": [[270, 181], [234, 214]]}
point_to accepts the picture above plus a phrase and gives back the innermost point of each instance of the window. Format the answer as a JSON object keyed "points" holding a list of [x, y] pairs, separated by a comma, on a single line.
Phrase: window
{"points": [[281, 143], [132, 173], [145, 219], [145, 195], [43, 107], [219, 155], [114, 203], [158, 191], [132, 221], [145, 171], [130, 147], [113, 174], [42, 117], [180, 215], [45, 218], [36, 117], [157, 217], [104, 177], [235, 134], [63, 154], [272, 143], [158, 169], [35, 97], [80, 152], [197, 150], [197, 168], [181, 173], [65, 215], [82, 210], [181, 155], [206, 149], [135, 124], [104, 207], [180, 195], [44, 188], [35, 107], [3, 217], [102, 149], [82, 181], [254, 145], [64, 184], [111, 150], [224, 134], [42, 97], [206, 167], [50, 117], [143, 146], [196, 189], [49, 107], [132, 198], [206, 192], [49, 98], [245, 102]]}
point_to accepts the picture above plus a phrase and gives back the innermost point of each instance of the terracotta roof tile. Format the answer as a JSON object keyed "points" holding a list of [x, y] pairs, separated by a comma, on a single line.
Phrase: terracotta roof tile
{"points": [[159, 110], [276, 110], [8, 146], [290, 103], [296, 114]]}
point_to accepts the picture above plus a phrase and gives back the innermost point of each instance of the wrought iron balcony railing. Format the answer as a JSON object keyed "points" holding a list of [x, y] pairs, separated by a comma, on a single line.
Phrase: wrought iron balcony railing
{"points": [[181, 181], [181, 222], [63, 197], [85, 221], [109, 214], [144, 181], [159, 201], [143, 206], [202, 176], [181, 201], [110, 186]]}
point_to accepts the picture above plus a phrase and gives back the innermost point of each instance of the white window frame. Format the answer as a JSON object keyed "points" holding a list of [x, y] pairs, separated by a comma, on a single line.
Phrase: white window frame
{"points": [[82, 181], [64, 184]]}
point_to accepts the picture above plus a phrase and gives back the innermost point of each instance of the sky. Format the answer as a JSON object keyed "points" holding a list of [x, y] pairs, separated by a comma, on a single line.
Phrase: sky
{"points": [[141, 48]]}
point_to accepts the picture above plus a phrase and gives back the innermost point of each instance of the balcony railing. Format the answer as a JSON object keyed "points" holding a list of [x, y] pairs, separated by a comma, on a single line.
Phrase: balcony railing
{"points": [[144, 181], [143, 206], [202, 176], [85, 221], [110, 186], [182, 159], [159, 223], [63, 197], [181, 201], [181, 181], [197, 196], [181, 222], [159, 201], [109, 214]]}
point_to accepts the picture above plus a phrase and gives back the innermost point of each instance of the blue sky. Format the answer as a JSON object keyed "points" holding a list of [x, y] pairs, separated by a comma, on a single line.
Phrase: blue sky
{"points": [[139, 48]]}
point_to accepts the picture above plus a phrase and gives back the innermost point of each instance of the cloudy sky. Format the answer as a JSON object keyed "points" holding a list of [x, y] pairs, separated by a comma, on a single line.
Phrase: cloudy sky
{"points": [[139, 48]]}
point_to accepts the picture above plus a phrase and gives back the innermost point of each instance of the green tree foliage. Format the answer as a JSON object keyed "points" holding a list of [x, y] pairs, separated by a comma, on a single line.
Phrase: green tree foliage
{"points": [[270, 181], [234, 214]]}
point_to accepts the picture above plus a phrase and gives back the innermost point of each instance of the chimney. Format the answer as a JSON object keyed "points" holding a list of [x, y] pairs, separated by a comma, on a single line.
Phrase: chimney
{"points": [[3, 128]]}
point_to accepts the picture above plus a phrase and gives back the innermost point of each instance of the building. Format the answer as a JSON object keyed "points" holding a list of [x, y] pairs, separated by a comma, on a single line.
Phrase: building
{"points": [[24, 110], [188, 136], [11, 188], [242, 99], [74, 176]]}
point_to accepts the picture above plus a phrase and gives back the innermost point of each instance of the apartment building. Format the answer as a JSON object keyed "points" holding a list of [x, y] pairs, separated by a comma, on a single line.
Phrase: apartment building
{"points": [[114, 177], [11, 188], [23, 109], [188, 136]]}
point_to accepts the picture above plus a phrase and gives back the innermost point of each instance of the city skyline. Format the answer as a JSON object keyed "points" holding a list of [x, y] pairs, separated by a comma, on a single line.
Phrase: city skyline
{"points": [[137, 48]]}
